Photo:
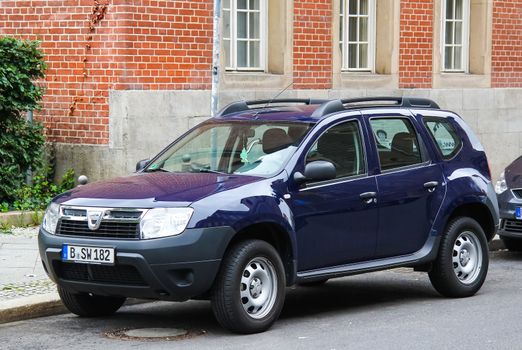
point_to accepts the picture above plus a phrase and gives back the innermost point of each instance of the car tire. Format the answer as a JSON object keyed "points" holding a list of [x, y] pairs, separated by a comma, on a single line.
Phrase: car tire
{"points": [[88, 305], [462, 263], [313, 283], [249, 291], [513, 244]]}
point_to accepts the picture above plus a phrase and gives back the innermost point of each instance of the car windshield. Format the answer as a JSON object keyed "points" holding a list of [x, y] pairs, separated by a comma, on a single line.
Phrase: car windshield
{"points": [[258, 148]]}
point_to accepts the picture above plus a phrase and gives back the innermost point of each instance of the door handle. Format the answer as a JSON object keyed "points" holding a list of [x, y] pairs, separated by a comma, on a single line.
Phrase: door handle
{"points": [[430, 186], [368, 197]]}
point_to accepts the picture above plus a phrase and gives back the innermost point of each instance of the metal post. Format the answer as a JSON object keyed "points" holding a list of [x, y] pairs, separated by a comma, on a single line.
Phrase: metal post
{"points": [[216, 47], [29, 174]]}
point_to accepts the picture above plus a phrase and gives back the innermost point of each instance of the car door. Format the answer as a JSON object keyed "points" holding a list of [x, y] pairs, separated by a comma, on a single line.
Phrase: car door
{"points": [[333, 224], [410, 186]]}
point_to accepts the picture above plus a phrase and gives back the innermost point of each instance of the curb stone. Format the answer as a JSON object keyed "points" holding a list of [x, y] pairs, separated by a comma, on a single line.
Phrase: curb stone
{"points": [[41, 305], [31, 307], [21, 218]]}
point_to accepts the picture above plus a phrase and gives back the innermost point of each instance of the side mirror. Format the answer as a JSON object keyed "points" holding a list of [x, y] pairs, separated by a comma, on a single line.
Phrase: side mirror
{"points": [[319, 170], [142, 164]]}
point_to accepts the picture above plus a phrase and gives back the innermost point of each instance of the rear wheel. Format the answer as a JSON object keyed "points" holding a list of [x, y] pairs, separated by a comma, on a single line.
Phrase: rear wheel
{"points": [[88, 305], [249, 292], [462, 264], [513, 244]]}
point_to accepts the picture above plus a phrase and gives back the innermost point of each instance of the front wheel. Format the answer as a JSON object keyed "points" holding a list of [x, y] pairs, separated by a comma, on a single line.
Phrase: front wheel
{"points": [[462, 264], [248, 294], [88, 305]]}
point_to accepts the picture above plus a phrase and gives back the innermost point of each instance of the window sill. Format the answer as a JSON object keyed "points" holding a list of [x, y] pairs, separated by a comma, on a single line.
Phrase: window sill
{"points": [[253, 80], [358, 80], [447, 80]]}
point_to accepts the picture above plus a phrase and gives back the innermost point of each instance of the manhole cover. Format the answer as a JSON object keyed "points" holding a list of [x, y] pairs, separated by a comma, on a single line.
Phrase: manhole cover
{"points": [[156, 332], [153, 334]]}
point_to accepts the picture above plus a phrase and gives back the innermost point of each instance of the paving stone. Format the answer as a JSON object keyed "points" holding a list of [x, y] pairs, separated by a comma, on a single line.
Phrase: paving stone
{"points": [[24, 289], [20, 262]]}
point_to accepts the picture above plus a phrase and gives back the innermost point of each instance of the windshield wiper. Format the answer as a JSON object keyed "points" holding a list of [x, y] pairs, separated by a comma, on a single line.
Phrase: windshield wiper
{"points": [[156, 170], [205, 170]]}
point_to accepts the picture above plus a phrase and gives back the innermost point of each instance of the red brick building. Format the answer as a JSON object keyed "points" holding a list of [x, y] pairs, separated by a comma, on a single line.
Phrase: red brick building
{"points": [[125, 77]]}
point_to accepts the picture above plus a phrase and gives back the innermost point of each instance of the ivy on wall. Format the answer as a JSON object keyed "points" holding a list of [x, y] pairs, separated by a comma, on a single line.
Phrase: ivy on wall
{"points": [[21, 143]]}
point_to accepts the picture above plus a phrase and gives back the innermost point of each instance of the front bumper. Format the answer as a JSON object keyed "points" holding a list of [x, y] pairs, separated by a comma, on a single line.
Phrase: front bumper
{"points": [[171, 268], [510, 226]]}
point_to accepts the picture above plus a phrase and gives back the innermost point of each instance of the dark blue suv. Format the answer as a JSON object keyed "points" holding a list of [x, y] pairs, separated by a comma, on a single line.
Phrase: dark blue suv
{"points": [[269, 194]]}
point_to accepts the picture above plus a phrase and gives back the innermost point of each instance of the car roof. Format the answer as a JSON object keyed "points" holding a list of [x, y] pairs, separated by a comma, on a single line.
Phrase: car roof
{"points": [[313, 110], [290, 113]]}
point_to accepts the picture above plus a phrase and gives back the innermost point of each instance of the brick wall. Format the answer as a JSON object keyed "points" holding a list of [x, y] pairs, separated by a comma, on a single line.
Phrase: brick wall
{"points": [[506, 58], [312, 44], [94, 46], [416, 44], [167, 45]]}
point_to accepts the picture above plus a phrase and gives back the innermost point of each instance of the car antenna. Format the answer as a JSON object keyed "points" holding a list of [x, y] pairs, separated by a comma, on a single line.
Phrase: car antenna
{"points": [[273, 98]]}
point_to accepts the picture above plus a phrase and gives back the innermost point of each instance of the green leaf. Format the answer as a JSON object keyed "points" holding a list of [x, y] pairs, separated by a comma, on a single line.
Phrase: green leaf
{"points": [[21, 144]]}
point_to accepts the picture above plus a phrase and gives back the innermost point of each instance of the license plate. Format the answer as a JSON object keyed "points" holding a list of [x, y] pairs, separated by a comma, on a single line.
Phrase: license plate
{"points": [[518, 213], [87, 255]]}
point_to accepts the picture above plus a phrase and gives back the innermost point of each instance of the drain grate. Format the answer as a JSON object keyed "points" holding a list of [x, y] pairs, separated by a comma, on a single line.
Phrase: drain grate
{"points": [[153, 334]]}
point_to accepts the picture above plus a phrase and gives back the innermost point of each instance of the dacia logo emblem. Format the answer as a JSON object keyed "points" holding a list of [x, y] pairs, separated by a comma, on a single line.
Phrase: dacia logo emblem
{"points": [[94, 218]]}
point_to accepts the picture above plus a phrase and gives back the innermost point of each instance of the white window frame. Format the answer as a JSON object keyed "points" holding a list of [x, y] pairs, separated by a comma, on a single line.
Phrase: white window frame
{"points": [[263, 35], [344, 42], [465, 38]]}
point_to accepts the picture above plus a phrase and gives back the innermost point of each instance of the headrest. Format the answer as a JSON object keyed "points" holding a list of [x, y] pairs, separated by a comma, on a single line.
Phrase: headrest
{"points": [[403, 142], [274, 140]]}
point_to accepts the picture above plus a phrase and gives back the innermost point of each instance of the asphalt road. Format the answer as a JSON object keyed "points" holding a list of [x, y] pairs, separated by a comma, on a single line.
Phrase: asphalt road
{"points": [[395, 309]]}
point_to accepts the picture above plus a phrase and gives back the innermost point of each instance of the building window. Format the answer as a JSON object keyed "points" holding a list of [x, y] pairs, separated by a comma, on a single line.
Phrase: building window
{"points": [[357, 34], [244, 34], [455, 35]]}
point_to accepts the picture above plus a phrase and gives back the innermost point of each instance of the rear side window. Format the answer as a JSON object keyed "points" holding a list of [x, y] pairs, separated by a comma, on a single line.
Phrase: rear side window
{"points": [[397, 142], [444, 135]]}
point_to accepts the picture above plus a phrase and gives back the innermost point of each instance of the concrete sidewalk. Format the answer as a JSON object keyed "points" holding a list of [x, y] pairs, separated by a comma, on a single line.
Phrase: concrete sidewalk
{"points": [[25, 289], [19, 258]]}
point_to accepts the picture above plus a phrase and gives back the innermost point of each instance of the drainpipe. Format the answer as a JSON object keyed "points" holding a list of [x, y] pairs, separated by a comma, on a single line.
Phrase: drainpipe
{"points": [[29, 174], [215, 79]]}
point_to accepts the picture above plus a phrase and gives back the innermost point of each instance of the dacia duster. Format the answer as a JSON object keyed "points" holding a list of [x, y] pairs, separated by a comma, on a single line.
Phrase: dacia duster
{"points": [[269, 194]]}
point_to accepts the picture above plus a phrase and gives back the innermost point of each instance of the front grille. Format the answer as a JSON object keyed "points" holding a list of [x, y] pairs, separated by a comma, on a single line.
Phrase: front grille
{"points": [[75, 212], [117, 274], [119, 214], [107, 229], [512, 225], [517, 192]]}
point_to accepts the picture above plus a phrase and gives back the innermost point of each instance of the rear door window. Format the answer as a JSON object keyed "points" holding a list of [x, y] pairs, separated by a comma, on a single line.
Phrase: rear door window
{"points": [[444, 135], [397, 142]]}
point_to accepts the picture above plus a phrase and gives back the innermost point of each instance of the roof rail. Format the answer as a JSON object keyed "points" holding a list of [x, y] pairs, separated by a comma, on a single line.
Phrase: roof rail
{"points": [[240, 106], [414, 102], [328, 108], [339, 105]]}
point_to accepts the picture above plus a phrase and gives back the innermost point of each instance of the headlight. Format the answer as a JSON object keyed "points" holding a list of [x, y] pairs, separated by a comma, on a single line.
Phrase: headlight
{"points": [[50, 220], [162, 222], [501, 185]]}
